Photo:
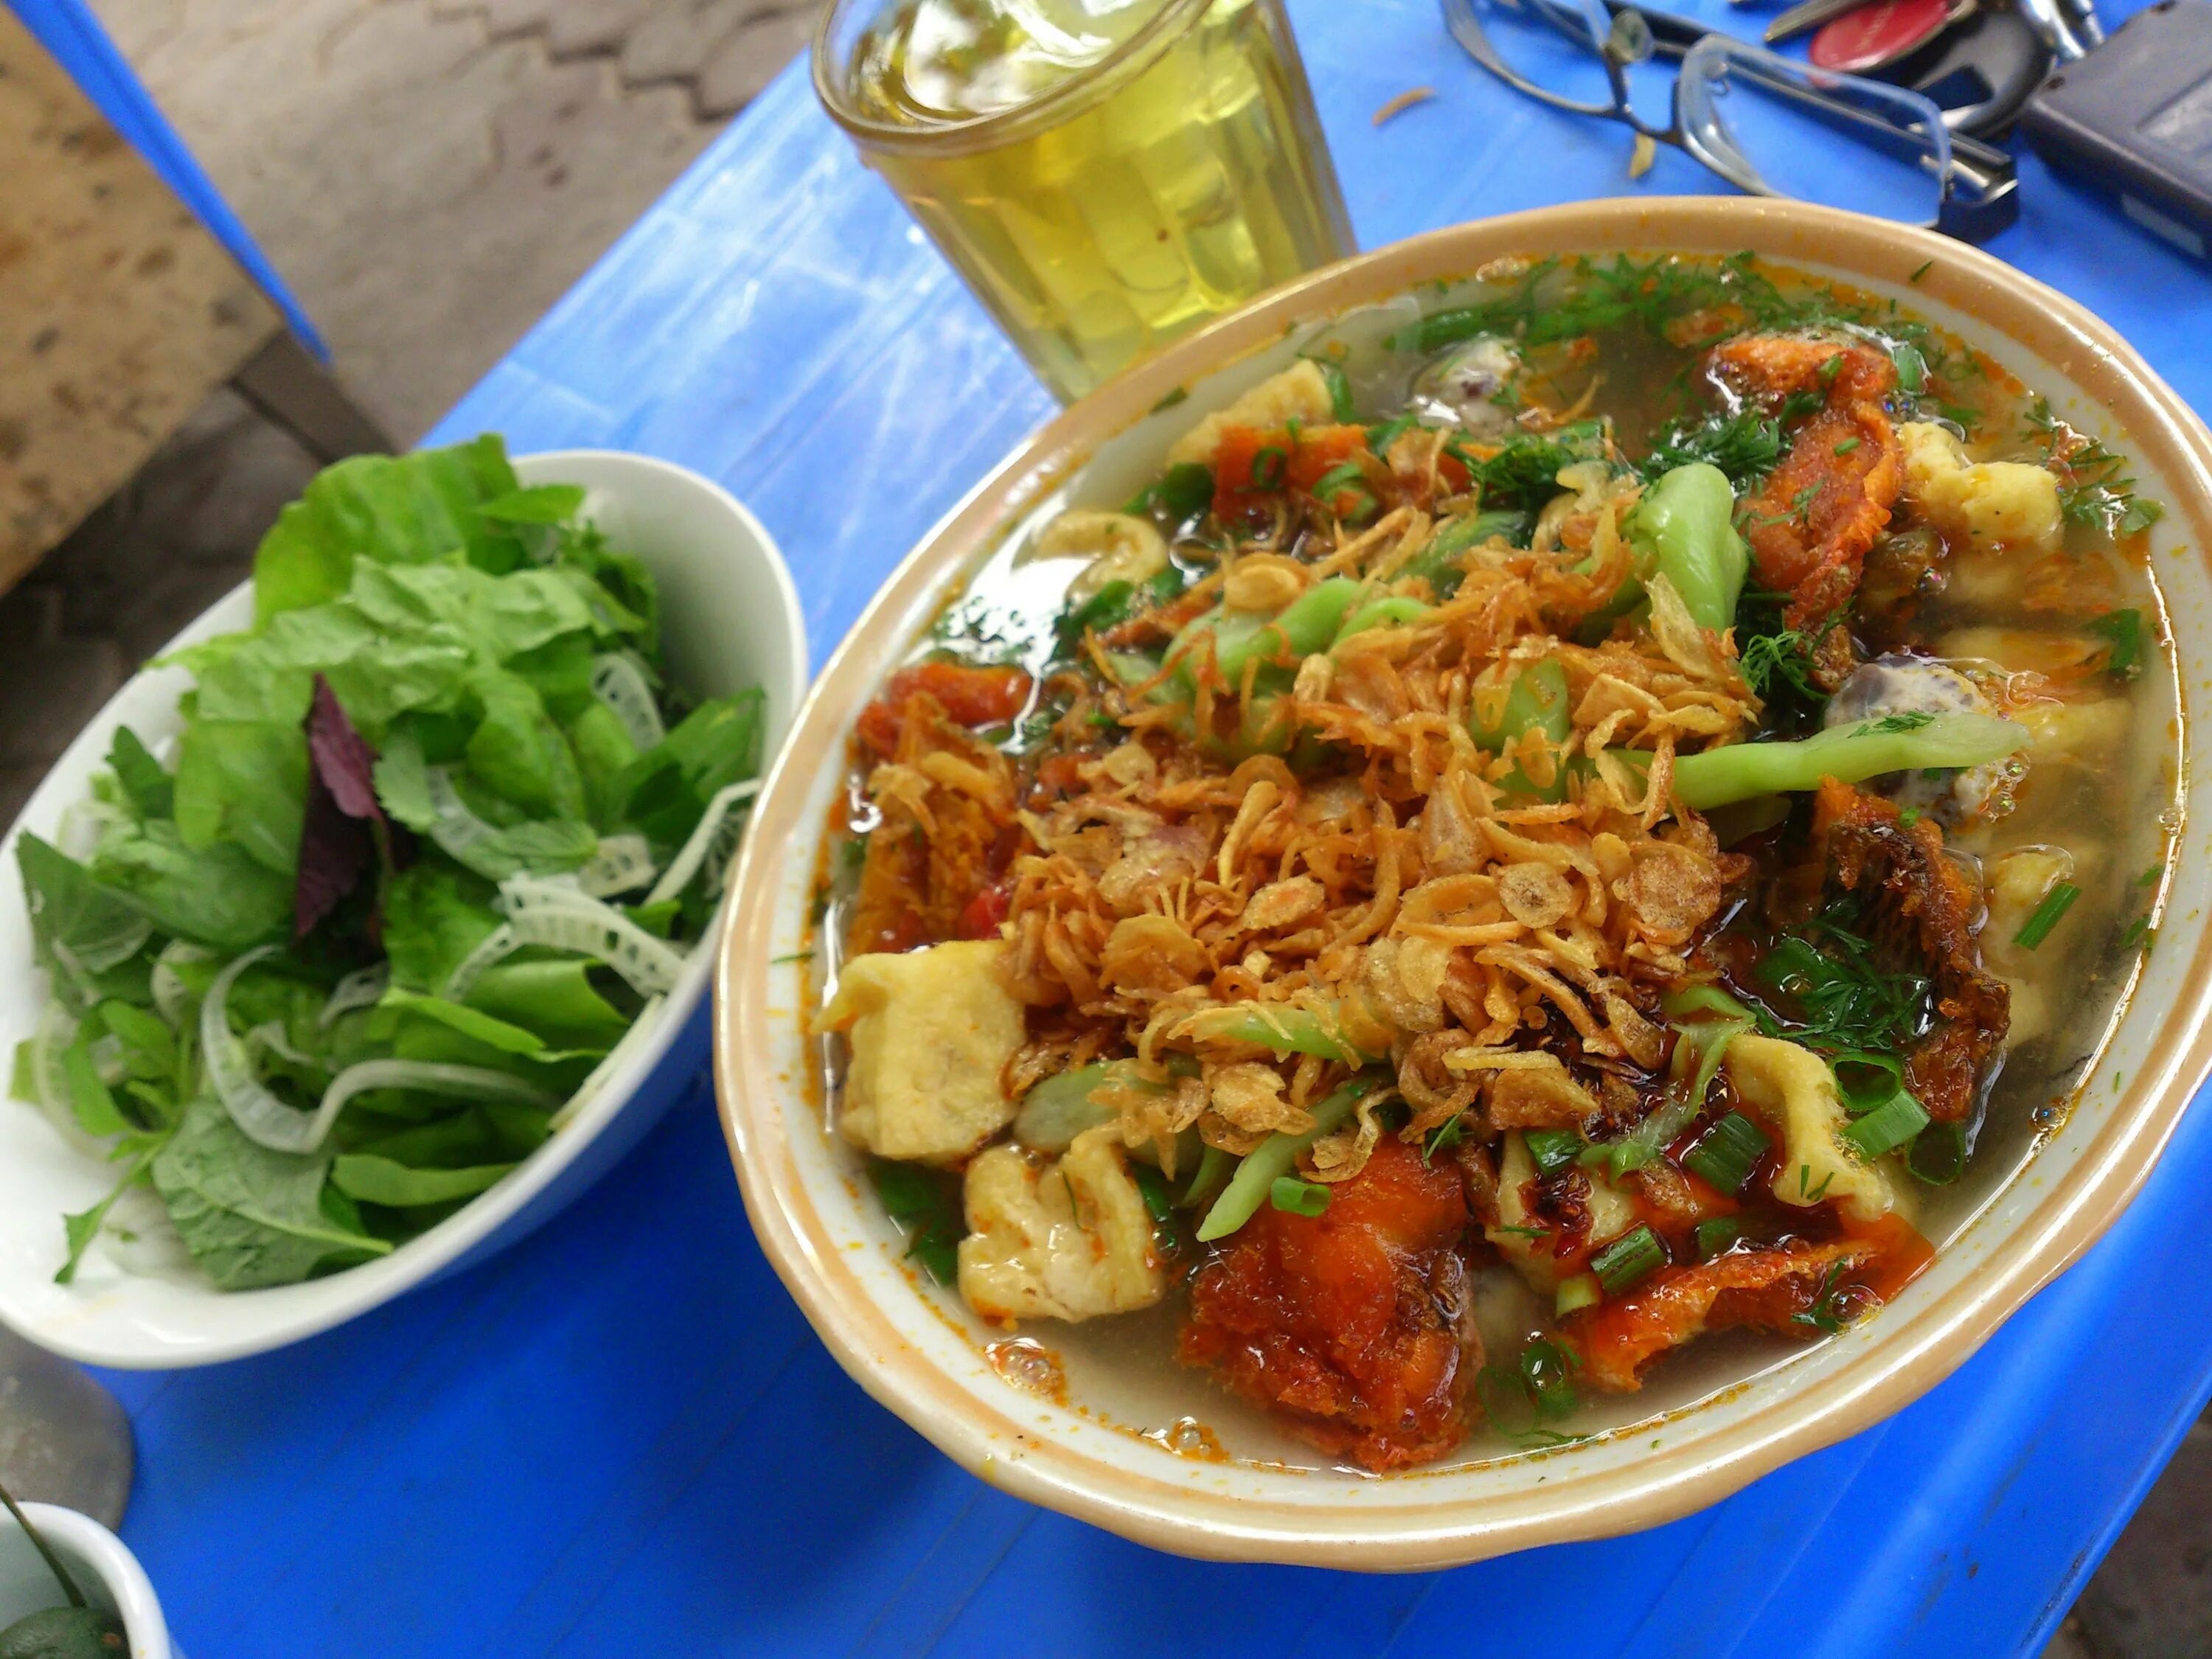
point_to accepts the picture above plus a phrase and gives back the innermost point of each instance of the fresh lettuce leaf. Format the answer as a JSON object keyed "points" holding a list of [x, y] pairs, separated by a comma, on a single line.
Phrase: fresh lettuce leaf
{"points": [[554, 998], [244, 782], [252, 1217], [666, 789], [394, 509], [435, 915], [220, 897], [520, 752], [469, 1022], [79, 926], [604, 755], [145, 783], [374, 1180]]}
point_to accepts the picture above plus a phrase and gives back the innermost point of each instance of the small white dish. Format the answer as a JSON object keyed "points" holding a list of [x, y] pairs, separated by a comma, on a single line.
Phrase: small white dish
{"points": [[105, 1571], [730, 618]]}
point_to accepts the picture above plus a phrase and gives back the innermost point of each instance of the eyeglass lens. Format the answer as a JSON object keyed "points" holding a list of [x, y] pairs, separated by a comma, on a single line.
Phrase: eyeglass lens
{"points": [[1766, 124]]}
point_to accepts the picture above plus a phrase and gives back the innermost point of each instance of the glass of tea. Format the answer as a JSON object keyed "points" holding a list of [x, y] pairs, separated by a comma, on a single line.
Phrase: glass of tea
{"points": [[1105, 174]]}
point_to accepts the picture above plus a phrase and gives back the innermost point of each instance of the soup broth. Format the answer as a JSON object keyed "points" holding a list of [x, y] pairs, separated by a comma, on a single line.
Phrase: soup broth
{"points": [[1551, 854]]}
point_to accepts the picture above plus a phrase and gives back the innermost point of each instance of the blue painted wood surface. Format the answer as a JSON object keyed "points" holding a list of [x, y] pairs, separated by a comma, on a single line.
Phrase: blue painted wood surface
{"points": [[623, 1438]]}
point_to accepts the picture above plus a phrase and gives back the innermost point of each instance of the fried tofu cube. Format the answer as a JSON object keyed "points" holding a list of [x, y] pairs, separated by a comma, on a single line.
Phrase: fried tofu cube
{"points": [[930, 1030], [1792, 1088], [2009, 504], [1067, 1238], [1300, 393]]}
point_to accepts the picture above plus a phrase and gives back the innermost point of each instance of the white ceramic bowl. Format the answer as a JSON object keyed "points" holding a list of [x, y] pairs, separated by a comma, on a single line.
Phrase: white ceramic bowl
{"points": [[108, 1573], [731, 619], [1685, 1442]]}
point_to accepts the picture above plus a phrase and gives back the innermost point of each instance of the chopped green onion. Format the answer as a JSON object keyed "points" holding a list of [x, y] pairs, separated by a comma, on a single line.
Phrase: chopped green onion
{"points": [[1339, 477], [1629, 1259], [1865, 1080], [1446, 1136], [1923, 271], [1304, 1198], [1269, 467], [1185, 491], [1340, 388], [1887, 1127], [1726, 1154], [1846, 446], [2056, 904], [1213, 1167], [1171, 398], [1379, 438], [1715, 1236], [1582, 1291], [1939, 1154], [1911, 369], [2140, 516], [1159, 1204], [1549, 1371], [2124, 629], [1553, 1150], [1705, 1000]]}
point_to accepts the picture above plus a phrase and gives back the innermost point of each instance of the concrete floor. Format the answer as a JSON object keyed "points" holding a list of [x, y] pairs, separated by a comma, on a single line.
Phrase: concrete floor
{"points": [[430, 176]]}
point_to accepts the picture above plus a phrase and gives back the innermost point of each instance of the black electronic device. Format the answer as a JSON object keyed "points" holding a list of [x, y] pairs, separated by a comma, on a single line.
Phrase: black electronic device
{"points": [[2133, 119]]}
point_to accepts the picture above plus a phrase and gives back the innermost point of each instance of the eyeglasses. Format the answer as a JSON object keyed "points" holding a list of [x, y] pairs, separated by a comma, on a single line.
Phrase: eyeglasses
{"points": [[1764, 123]]}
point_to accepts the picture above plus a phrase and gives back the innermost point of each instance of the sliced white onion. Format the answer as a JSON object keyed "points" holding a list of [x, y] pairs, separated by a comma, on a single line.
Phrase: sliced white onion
{"points": [[362, 988], [619, 683], [264, 1119], [49, 1046], [623, 863], [171, 994], [107, 1060], [640, 1028], [272, 1035], [261, 1117], [541, 913], [686, 864], [456, 830], [498, 944], [431, 1077], [140, 1238]]}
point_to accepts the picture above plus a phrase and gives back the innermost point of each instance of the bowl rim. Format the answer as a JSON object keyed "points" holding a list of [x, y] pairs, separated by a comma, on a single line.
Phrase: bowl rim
{"points": [[1909, 1359], [300, 1311]]}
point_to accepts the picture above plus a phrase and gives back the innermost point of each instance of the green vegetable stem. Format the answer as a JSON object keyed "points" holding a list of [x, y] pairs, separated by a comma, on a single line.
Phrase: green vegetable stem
{"points": [[1683, 529], [1851, 754], [1538, 701], [1255, 1177]]}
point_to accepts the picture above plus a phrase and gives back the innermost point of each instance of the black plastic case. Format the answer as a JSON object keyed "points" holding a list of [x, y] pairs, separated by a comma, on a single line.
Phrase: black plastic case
{"points": [[2135, 118]]}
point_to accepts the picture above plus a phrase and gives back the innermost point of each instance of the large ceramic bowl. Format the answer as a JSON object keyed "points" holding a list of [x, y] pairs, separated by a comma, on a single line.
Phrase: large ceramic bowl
{"points": [[2026, 1217], [732, 619]]}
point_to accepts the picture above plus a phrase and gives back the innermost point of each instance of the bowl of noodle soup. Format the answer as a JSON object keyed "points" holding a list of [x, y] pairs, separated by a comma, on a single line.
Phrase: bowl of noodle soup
{"points": [[1576, 930]]}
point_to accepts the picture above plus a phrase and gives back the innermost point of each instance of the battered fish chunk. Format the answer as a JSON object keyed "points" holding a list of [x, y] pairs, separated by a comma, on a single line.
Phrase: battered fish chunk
{"points": [[1352, 1326], [1819, 511]]}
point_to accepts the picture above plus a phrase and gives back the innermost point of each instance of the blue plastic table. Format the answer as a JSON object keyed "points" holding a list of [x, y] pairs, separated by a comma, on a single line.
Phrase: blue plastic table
{"points": [[622, 1438]]}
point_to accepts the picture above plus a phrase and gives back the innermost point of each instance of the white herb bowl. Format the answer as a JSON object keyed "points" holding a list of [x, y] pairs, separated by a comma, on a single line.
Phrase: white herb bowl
{"points": [[105, 1570], [731, 619]]}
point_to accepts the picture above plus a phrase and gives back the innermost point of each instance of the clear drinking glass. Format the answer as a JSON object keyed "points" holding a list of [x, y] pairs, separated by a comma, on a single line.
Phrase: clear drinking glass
{"points": [[1105, 174]]}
